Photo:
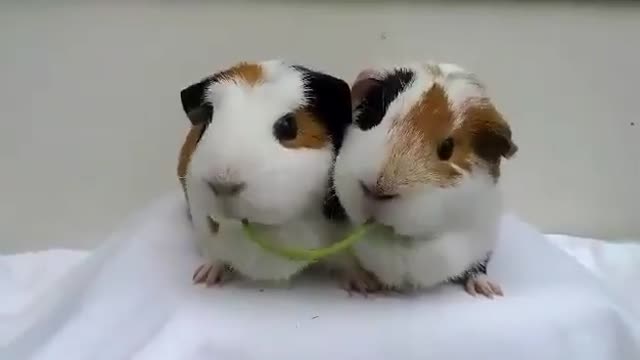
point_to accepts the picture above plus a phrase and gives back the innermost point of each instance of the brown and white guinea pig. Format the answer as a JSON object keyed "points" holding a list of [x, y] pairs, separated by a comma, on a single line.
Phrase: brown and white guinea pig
{"points": [[422, 157], [261, 148]]}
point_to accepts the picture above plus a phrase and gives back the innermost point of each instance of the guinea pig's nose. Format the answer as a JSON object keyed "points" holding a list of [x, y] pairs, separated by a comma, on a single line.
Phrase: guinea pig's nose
{"points": [[375, 193], [226, 188]]}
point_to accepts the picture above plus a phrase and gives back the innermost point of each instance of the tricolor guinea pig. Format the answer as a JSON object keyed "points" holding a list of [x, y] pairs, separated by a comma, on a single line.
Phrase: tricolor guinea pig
{"points": [[261, 149], [422, 158]]}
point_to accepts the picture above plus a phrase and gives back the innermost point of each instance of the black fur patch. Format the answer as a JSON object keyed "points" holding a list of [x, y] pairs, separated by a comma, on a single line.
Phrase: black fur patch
{"points": [[192, 97], [479, 268], [194, 104], [193, 101], [375, 103], [329, 102], [332, 209]]}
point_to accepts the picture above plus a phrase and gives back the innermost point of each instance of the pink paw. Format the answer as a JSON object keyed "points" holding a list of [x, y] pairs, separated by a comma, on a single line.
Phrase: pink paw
{"points": [[212, 274], [481, 284], [360, 281]]}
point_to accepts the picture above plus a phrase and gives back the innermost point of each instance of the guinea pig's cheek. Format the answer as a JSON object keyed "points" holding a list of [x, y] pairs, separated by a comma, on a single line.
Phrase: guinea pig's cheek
{"points": [[260, 209], [357, 213], [405, 225]]}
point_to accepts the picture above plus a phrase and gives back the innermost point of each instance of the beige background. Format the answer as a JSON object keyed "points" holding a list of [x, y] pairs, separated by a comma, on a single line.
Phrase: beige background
{"points": [[91, 119]]}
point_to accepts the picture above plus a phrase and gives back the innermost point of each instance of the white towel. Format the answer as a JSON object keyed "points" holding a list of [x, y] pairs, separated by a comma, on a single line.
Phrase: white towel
{"points": [[133, 299]]}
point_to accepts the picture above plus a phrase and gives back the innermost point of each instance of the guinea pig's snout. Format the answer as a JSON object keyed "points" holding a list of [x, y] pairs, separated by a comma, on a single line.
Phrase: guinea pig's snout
{"points": [[226, 188], [374, 192], [375, 197]]}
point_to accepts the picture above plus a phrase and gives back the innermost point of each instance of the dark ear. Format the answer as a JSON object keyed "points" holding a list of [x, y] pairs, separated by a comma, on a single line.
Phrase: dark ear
{"points": [[373, 91], [364, 82], [194, 104], [493, 143], [329, 101], [491, 138]]}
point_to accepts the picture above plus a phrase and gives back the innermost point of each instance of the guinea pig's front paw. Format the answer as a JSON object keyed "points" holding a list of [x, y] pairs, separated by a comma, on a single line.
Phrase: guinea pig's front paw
{"points": [[360, 281], [481, 284], [212, 273]]}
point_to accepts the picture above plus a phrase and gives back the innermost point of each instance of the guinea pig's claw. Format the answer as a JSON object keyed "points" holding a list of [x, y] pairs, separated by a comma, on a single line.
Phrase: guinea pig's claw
{"points": [[361, 282], [481, 284], [211, 274]]}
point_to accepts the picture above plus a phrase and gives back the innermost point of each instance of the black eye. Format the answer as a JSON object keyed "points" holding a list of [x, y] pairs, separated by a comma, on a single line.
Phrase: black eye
{"points": [[445, 149], [285, 128]]}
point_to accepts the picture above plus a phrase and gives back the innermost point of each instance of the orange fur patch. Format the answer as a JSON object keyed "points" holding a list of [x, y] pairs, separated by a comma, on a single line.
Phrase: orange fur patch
{"points": [[431, 116], [413, 158], [486, 135], [311, 132], [248, 73], [187, 149], [481, 140]]}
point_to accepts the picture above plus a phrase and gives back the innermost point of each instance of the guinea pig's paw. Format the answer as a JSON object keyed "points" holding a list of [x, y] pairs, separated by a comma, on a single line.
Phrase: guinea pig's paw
{"points": [[360, 281], [481, 284], [395, 290], [212, 273]]}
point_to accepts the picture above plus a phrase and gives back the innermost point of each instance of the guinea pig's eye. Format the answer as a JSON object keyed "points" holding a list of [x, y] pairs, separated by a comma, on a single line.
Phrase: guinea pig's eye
{"points": [[285, 128], [445, 149]]}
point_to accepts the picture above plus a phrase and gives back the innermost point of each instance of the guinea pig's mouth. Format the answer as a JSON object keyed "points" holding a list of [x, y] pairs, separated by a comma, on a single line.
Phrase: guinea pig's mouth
{"points": [[387, 230], [379, 226], [258, 225], [214, 223], [232, 213], [246, 221]]}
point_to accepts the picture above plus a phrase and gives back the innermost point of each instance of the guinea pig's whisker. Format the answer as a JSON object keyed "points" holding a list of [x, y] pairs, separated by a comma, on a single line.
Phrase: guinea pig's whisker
{"points": [[458, 168]]}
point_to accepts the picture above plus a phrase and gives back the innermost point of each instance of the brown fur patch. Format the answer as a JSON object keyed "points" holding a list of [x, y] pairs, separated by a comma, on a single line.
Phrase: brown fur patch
{"points": [[248, 73], [311, 132], [413, 158], [487, 135], [482, 139], [432, 116], [187, 149]]}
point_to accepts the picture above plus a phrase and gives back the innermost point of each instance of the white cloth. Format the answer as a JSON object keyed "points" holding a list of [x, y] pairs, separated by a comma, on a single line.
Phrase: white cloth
{"points": [[615, 263], [133, 299]]}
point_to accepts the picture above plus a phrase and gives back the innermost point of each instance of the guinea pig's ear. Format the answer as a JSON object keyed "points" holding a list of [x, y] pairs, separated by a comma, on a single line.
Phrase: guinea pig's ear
{"points": [[194, 103], [364, 82], [329, 101], [491, 137], [330, 96]]}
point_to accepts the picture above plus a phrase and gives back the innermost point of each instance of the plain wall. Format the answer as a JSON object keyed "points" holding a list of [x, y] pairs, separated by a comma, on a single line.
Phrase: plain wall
{"points": [[91, 117]]}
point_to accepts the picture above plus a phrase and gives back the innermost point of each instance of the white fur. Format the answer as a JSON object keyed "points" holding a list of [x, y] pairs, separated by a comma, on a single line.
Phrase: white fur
{"points": [[461, 86], [442, 231], [285, 187]]}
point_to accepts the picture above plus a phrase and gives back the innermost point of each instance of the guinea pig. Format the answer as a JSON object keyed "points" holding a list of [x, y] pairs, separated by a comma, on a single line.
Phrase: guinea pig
{"points": [[261, 149], [422, 159]]}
